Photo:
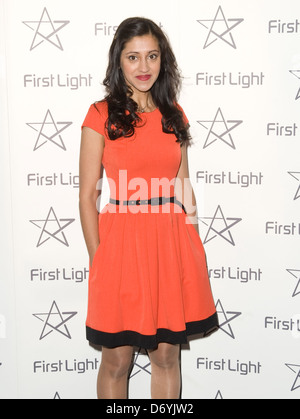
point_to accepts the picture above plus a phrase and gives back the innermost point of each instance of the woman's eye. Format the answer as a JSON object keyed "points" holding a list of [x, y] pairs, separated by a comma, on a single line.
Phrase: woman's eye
{"points": [[153, 56], [132, 58]]}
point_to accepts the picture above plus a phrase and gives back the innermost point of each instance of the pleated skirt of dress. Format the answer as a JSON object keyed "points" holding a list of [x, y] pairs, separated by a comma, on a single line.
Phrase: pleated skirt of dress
{"points": [[148, 282]]}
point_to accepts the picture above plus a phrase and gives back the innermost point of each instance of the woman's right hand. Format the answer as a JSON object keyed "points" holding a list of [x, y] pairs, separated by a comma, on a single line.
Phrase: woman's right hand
{"points": [[92, 255]]}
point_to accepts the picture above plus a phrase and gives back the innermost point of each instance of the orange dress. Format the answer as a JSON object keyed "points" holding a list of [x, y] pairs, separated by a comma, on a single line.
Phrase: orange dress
{"points": [[148, 282]]}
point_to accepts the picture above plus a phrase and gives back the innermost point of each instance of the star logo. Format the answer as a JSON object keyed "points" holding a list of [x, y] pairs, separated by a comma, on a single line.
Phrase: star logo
{"points": [[296, 274], [219, 396], [49, 131], [296, 370], [46, 30], [137, 365], [220, 29], [219, 226], [225, 318], [55, 321], [296, 73], [220, 129], [52, 227], [296, 175]]}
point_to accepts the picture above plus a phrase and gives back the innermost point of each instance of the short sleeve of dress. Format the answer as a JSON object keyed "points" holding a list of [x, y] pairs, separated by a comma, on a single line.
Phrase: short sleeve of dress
{"points": [[96, 118], [185, 119]]}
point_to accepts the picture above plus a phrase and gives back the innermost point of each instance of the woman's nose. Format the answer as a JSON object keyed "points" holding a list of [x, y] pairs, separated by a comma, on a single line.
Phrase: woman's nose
{"points": [[144, 65]]}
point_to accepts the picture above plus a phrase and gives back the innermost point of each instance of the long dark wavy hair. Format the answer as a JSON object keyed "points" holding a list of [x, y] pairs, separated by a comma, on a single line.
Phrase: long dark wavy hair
{"points": [[122, 109]]}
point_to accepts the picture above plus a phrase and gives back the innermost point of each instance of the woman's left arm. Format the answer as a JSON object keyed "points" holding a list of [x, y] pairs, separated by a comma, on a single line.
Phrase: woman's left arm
{"points": [[184, 190]]}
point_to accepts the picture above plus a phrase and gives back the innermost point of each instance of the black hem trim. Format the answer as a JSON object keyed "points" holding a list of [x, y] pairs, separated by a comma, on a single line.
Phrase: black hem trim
{"points": [[130, 338]]}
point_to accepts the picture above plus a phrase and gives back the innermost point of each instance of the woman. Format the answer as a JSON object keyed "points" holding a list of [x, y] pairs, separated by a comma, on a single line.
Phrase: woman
{"points": [[148, 284]]}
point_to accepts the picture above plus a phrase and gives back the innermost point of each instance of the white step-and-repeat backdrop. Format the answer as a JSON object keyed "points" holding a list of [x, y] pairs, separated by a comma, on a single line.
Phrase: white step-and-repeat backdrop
{"points": [[240, 62]]}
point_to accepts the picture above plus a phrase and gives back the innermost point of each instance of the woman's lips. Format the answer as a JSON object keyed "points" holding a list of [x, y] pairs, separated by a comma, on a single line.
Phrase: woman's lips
{"points": [[144, 78]]}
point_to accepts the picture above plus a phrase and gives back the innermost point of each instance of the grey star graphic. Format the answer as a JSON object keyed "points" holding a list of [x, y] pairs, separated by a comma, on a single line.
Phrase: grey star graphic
{"points": [[46, 29], [296, 370], [49, 130], [296, 73], [219, 396], [220, 29], [220, 129], [138, 367], [55, 320], [228, 317], [296, 175], [219, 226], [296, 274], [52, 227]]}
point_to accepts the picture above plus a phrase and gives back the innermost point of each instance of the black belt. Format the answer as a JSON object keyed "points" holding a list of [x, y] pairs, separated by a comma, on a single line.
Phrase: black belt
{"points": [[161, 200]]}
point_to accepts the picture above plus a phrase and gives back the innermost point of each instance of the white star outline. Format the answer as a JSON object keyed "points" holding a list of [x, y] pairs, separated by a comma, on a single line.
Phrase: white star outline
{"points": [[59, 325], [45, 35], [55, 228], [296, 175], [48, 131], [217, 131], [216, 32], [223, 230]]}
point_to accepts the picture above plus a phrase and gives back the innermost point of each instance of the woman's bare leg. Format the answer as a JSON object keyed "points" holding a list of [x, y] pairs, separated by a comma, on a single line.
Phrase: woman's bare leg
{"points": [[113, 374], [165, 370]]}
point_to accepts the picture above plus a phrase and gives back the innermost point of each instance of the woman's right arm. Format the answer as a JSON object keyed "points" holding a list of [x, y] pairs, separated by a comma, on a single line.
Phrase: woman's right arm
{"points": [[91, 152]]}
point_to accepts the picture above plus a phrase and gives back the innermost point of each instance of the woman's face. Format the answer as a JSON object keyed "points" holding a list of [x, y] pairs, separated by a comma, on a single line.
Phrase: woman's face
{"points": [[140, 63]]}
